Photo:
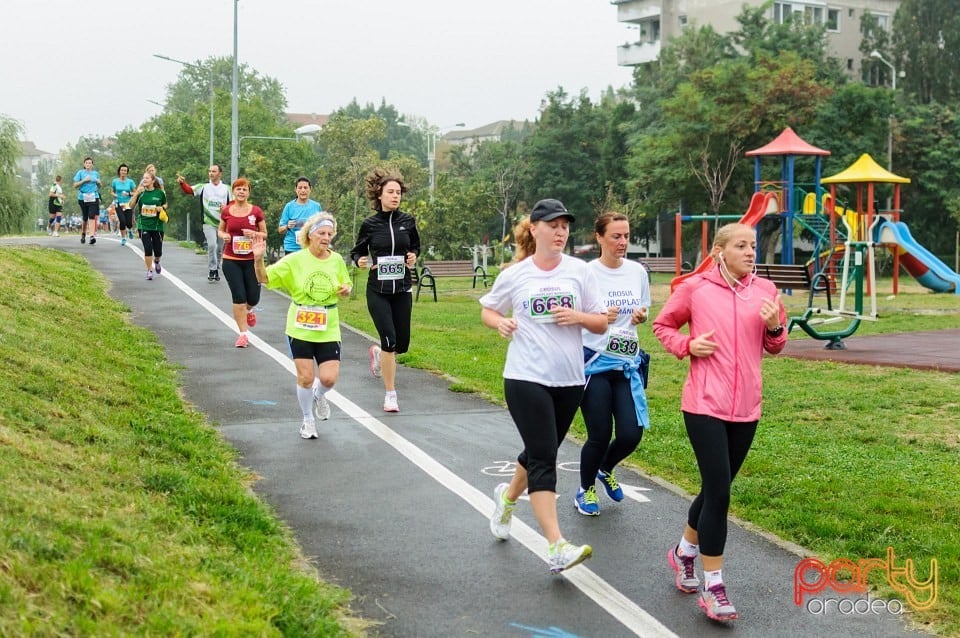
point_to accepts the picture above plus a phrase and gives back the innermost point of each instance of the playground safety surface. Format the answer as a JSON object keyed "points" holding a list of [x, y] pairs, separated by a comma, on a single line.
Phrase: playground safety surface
{"points": [[931, 350]]}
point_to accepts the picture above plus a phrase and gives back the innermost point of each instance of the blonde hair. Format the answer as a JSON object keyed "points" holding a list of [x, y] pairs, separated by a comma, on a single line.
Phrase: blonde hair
{"points": [[303, 237], [523, 238], [724, 234]]}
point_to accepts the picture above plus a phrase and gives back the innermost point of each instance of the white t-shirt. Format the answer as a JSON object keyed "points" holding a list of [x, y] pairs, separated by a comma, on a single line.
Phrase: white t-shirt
{"points": [[628, 288], [540, 351]]}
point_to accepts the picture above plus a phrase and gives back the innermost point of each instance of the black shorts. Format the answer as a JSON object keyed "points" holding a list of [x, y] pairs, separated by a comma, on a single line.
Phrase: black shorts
{"points": [[318, 351], [90, 210], [54, 209]]}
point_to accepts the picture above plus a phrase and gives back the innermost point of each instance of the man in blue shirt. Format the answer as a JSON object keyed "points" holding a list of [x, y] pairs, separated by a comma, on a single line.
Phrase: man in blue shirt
{"points": [[295, 213]]}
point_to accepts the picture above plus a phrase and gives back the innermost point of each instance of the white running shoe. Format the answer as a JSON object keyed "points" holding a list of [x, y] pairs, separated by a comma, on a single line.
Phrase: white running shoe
{"points": [[715, 604], [390, 403], [502, 513], [321, 407], [563, 555], [374, 353], [308, 430]]}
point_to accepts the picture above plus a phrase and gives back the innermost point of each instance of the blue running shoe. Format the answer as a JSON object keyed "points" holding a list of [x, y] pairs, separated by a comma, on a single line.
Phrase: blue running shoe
{"points": [[611, 485], [587, 502]]}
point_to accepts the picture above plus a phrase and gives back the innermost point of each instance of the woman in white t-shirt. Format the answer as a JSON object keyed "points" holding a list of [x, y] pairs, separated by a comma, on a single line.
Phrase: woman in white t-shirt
{"points": [[615, 366], [549, 297]]}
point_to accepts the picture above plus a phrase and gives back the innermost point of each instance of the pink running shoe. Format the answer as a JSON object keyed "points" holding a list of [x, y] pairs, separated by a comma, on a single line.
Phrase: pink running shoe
{"points": [[241, 341]]}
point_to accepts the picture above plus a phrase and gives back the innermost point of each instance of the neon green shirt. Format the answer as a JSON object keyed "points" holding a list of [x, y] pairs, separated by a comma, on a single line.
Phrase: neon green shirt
{"points": [[312, 284]]}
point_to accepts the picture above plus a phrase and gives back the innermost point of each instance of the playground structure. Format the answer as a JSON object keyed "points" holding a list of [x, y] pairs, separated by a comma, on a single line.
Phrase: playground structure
{"points": [[844, 238]]}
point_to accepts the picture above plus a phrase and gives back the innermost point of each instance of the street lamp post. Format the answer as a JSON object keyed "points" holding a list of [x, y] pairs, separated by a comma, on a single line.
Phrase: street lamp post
{"points": [[234, 118], [432, 151], [209, 81], [893, 85]]}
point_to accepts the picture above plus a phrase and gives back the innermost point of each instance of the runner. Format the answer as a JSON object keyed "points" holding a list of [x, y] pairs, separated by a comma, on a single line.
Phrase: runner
{"points": [[55, 207], [87, 182], [313, 278], [733, 316], [123, 187], [391, 237], [214, 195], [550, 297], [150, 203], [615, 366], [240, 223], [295, 213]]}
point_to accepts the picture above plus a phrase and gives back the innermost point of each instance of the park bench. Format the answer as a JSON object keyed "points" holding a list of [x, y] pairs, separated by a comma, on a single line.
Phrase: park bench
{"points": [[663, 264], [797, 277], [433, 269]]}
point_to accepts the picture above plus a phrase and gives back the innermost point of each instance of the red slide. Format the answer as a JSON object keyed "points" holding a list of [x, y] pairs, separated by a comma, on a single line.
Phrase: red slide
{"points": [[760, 204]]}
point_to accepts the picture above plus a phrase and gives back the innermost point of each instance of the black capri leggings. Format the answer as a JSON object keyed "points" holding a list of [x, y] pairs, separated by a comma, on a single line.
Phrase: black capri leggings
{"points": [[125, 218], [720, 447], [242, 279], [542, 415], [152, 243], [391, 316], [607, 400]]}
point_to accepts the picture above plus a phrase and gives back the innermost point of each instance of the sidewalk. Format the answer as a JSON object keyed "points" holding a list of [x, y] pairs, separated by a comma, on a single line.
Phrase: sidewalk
{"points": [[395, 507]]}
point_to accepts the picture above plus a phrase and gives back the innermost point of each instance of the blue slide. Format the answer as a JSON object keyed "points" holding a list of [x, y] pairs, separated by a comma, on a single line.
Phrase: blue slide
{"points": [[925, 267]]}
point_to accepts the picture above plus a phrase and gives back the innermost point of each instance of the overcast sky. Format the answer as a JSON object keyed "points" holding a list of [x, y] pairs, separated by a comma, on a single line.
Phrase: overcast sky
{"points": [[71, 68]]}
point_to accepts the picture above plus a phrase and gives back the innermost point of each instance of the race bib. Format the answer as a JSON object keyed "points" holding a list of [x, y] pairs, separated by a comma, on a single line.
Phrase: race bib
{"points": [[242, 245], [89, 197], [623, 343], [148, 211], [311, 318], [390, 268], [541, 303]]}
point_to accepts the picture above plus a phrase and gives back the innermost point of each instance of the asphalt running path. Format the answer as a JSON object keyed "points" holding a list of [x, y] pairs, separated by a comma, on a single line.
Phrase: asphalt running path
{"points": [[396, 507]]}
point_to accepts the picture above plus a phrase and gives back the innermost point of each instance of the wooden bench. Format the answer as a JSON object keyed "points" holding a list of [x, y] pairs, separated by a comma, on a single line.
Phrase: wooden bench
{"points": [[664, 264], [797, 277], [433, 269]]}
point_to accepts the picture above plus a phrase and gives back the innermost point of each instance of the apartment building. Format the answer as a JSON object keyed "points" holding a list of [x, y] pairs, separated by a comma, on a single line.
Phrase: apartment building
{"points": [[653, 22]]}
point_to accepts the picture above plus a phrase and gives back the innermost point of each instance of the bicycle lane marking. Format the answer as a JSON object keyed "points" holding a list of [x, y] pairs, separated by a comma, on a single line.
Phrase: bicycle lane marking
{"points": [[624, 610]]}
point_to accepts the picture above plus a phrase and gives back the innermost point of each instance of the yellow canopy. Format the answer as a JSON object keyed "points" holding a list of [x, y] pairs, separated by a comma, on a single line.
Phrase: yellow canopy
{"points": [[865, 169]]}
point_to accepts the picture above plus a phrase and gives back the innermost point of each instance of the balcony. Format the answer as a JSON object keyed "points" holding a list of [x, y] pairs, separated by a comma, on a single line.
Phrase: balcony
{"points": [[638, 53], [632, 11]]}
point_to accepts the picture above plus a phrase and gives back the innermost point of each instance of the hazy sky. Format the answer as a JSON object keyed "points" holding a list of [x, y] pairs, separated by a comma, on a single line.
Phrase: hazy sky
{"points": [[72, 68]]}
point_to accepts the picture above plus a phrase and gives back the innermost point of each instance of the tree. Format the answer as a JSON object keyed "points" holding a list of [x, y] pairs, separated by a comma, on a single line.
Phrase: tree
{"points": [[926, 44], [14, 200]]}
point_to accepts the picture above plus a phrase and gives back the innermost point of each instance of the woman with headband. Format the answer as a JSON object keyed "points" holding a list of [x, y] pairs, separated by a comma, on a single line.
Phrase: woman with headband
{"points": [[314, 278]]}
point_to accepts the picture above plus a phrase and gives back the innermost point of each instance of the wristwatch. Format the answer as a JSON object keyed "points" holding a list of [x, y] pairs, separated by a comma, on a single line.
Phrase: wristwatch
{"points": [[776, 332]]}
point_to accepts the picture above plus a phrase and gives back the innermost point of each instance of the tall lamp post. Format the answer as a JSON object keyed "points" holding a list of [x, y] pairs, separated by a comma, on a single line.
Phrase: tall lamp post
{"points": [[209, 81], [432, 151], [234, 117], [893, 85]]}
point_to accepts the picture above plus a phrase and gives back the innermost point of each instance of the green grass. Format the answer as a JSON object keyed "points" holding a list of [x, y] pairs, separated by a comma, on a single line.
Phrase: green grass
{"points": [[848, 459], [122, 511]]}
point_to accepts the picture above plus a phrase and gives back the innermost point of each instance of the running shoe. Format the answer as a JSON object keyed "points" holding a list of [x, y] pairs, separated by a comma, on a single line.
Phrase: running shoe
{"points": [[390, 403], [308, 430], [83, 239], [611, 484], [156, 264], [241, 341], [586, 501], [216, 275], [251, 318], [56, 233], [211, 276], [716, 605], [149, 275], [129, 234], [321, 407], [375, 361], [685, 570], [123, 241], [93, 239], [502, 513], [563, 555]]}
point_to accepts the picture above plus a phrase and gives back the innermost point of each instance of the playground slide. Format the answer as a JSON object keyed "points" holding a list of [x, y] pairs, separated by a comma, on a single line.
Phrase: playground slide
{"points": [[761, 204], [923, 265]]}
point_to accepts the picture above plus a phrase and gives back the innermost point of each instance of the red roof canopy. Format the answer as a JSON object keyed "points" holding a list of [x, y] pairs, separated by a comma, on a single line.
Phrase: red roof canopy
{"points": [[788, 143]]}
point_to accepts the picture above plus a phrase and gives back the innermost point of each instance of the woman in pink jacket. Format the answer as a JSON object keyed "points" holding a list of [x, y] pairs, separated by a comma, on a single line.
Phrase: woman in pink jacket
{"points": [[733, 316]]}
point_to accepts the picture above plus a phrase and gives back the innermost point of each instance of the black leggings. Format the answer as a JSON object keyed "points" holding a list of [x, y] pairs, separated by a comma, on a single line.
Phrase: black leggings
{"points": [[125, 219], [242, 279], [720, 447], [542, 415], [152, 243], [391, 316], [607, 400]]}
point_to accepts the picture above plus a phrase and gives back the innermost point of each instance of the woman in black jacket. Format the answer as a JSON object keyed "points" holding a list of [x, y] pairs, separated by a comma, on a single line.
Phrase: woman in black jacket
{"points": [[388, 242]]}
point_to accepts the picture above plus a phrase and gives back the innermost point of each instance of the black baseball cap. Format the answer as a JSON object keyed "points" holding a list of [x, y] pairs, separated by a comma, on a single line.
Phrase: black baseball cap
{"points": [[549, 209]]}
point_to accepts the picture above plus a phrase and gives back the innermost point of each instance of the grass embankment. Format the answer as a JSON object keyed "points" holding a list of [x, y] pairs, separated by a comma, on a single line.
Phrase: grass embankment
{"points": [[121, 511], [848, 460]]}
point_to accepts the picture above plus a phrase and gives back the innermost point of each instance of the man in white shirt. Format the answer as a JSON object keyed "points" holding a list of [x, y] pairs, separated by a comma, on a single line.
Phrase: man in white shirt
{"points": [[214, 195]]}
